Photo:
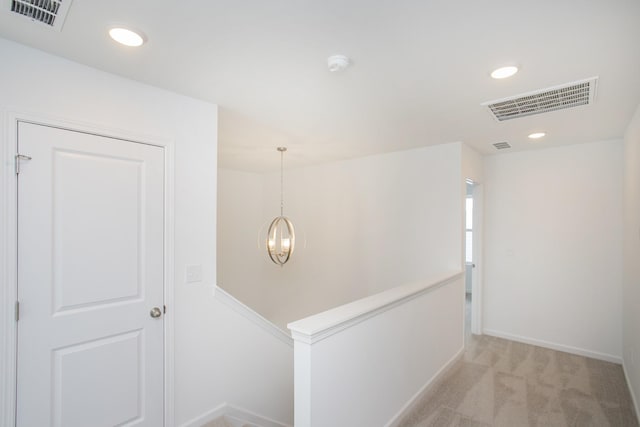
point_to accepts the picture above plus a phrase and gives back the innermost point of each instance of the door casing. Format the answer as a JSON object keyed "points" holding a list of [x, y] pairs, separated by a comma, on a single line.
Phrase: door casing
{"points": [[477, 283], [8, 251]]}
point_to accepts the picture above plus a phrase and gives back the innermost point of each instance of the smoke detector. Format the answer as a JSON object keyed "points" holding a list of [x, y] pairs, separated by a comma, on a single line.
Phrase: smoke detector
{"points": [[51, 13], [337, 63], [569, 95]]}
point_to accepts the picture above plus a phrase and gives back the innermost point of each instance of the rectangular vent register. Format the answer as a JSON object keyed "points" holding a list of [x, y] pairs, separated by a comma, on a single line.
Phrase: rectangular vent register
{"points": [[568, 95], [501, 145], [51, 13]]}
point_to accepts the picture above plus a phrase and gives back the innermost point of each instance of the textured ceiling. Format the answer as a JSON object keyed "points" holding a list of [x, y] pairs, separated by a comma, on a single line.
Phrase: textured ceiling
{"points": [[420, 68]]}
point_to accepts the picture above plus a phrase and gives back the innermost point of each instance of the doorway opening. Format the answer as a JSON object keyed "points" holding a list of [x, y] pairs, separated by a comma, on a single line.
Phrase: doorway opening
{"points": [[472, 258]]}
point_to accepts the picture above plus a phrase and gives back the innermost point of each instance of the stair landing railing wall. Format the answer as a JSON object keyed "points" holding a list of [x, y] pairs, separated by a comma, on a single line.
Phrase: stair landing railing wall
{"points": [[365, 363]]}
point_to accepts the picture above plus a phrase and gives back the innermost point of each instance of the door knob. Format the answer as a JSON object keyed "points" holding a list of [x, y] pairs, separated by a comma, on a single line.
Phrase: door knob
{"points": [[155, 312]]}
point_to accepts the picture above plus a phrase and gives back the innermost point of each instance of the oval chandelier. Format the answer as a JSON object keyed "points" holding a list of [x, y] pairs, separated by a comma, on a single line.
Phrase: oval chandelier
{"points": [[281, 237]]}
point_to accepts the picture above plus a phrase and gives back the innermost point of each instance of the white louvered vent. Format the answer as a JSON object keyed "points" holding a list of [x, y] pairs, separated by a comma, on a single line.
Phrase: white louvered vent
{"points": [[568, 95], [51, 13], [501, 145]]}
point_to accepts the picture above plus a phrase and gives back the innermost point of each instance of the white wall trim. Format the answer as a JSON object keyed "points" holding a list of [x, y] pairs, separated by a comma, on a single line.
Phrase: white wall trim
{"points": [[320, 326], [634, 400], [235, 413], [251, 417], [477, 290], [210, 415], [169, 284], [8, 289], [425, 389], [555, 346], [242, 309], [8, 227]]}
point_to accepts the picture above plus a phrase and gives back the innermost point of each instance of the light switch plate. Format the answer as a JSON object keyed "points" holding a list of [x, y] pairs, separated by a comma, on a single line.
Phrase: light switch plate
{"points": [[194, 273]]}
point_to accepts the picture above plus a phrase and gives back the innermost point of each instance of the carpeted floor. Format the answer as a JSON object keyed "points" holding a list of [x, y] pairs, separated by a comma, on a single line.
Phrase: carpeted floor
{"points": [[505, 383]]}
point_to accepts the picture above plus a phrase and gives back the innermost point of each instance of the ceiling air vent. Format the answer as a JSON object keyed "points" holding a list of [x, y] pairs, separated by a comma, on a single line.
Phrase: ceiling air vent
{"points": [[568, 95], [501, 145], [51, 13]]}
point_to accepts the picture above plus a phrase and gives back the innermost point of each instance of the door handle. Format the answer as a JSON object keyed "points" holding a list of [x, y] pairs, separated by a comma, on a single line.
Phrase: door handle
{"points": [[155, 312]]}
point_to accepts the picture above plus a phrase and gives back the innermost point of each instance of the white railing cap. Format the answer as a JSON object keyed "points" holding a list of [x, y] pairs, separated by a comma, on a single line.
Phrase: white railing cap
{"points": [[322, 325]]}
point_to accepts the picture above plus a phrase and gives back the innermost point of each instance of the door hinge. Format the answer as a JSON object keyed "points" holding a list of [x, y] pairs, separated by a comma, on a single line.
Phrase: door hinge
{"points": [[17, 310], [164, 309], [19, 157]]}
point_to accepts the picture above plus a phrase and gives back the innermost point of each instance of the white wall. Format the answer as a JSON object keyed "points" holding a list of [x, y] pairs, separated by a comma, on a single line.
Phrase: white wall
{"points": [[216, 360], [240, 218], [472, 165], [553, 247], [237, 363], [631, 281], [370, 224]]}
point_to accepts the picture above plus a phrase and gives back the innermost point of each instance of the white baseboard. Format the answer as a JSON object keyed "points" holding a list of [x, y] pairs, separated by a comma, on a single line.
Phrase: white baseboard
{"points": [[555, 346], [252, 418], [633, 395], [234, 413], [206, 417], [410, 405]]}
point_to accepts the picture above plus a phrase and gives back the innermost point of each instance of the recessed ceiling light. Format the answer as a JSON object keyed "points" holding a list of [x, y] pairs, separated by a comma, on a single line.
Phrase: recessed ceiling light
{"points": [[337, 63], [126, 37], [536, 135], [504, 72]]}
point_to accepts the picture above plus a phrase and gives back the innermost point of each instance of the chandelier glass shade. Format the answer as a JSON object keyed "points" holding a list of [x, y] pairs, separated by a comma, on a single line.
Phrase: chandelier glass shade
{"points": [[281, 240], [281, 237]]}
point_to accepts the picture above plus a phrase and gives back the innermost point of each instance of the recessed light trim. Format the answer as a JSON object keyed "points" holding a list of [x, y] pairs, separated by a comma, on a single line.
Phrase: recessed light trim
{"points": [[337, 63], [536, 135], [504, 72], [127, 37]]}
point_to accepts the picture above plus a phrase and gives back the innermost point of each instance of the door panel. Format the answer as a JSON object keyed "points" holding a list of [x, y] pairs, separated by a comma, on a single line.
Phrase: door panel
{"points": [[122, 354], [90, 268], [81, 279]]}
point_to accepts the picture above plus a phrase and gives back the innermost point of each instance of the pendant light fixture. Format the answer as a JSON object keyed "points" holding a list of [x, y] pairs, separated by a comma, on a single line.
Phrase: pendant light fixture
{"points": [[281, 237]]}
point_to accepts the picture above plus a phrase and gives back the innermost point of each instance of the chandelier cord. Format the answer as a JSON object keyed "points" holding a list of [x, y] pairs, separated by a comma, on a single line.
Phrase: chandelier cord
{"points": [[281, 183]]}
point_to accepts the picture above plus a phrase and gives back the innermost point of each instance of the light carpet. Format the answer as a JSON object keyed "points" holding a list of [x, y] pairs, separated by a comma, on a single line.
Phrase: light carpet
{"points": [[504, 383]]}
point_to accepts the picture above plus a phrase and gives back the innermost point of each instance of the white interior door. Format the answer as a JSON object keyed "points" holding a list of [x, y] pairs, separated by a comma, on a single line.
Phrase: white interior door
{"points": [[90, 270]]}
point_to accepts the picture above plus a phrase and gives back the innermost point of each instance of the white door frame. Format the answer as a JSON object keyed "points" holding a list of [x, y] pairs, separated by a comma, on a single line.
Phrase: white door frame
{"points": [[476, 273], [8, 251]]}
